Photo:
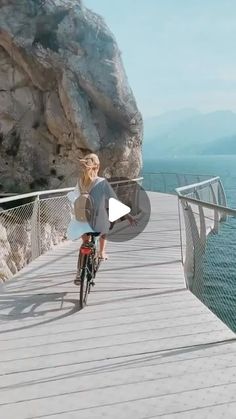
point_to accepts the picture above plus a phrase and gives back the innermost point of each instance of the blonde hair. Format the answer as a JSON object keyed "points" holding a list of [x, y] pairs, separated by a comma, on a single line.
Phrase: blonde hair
{"points": [[89, 167]]}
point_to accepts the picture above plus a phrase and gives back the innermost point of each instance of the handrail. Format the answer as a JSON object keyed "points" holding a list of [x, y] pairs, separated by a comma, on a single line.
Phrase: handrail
{"points": [[32, 194], [208, 205], [198, 185], [176, 173], [197, 201], [55, 191]]}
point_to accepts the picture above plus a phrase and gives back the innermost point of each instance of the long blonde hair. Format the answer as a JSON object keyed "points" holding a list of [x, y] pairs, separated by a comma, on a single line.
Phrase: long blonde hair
{"points": [[89, 167]]}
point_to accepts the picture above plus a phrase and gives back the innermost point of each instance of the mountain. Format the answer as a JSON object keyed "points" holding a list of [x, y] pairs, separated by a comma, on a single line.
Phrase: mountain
{"points": [[226, 145], [188, 132], [166, 121]]}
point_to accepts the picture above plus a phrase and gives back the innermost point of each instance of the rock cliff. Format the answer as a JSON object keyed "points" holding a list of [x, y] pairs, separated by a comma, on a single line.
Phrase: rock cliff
{"points": [[63, 92]]}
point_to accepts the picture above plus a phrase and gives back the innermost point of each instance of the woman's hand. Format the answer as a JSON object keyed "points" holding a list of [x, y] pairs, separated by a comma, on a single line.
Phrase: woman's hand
{"points": [[132, 220]]}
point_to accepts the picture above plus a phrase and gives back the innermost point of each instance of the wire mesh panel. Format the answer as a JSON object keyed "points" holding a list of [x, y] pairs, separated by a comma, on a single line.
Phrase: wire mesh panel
{"points": [[29, 230], [15, 239], [219, 278], [215, 277], [54, 217], [209, 266]]}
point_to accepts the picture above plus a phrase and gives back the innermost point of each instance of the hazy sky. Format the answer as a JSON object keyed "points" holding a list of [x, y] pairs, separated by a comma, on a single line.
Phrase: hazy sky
{"points": [[177, 53]]}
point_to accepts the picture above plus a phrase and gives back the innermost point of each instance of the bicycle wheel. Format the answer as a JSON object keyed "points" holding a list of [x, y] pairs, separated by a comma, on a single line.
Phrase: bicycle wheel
{"points": [[84, 291], [81, 293], [84, 282], [87, 271]]}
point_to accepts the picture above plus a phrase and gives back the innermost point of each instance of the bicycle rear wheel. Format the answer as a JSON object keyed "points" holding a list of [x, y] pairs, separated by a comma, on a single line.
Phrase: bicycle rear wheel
{"points": [[85, 281]]}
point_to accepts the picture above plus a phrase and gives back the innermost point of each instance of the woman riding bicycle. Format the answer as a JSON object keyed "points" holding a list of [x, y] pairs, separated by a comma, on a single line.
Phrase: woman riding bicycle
{"points": [[100, 191]]}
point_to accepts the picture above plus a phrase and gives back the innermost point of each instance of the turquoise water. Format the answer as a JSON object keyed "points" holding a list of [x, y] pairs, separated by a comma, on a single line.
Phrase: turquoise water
{"points": [[223, 166], [219, 274], [218, 288]]}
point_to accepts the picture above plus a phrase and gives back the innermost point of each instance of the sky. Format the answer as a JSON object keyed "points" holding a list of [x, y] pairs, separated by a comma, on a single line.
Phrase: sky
{"points": [[177, 53]]}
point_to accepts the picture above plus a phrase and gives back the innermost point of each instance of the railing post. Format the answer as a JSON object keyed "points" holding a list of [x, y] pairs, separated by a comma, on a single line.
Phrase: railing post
{"points": [[35, 230], [180, 232], [223, 200], [202, 223], [189, 248], [216, 214], [136, 199], [194, 252]]}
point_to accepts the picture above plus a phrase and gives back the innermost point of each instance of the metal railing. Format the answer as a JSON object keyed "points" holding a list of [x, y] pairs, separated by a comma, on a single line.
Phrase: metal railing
{"points": [[210, 246], [31, 224], [167, 182]]}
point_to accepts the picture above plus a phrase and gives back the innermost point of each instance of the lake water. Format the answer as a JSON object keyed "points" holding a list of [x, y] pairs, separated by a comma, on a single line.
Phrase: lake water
{"points": [[218, 288], [223, 166]]}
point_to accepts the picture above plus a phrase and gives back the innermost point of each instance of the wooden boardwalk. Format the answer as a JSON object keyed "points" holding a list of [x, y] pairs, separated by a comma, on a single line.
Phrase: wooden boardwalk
{"points": [[144, 347]]}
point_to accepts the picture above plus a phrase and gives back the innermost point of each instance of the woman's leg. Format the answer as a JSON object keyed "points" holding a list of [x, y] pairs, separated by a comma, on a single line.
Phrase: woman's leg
{"points": [[102, 246]]}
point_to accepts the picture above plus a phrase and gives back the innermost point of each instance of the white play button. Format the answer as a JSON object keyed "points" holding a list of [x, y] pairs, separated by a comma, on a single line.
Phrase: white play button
{"points": [[117, 210]]}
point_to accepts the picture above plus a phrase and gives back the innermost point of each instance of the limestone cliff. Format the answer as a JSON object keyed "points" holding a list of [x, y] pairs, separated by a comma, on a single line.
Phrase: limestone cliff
{"points": [[63, 92]]}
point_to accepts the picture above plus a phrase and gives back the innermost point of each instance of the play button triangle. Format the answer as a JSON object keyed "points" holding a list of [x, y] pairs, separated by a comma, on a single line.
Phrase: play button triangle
{"points": [[116, 210]]}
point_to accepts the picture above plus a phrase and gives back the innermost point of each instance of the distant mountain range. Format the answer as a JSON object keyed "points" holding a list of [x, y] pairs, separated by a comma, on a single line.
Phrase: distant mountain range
{"points": [[187, 132]]}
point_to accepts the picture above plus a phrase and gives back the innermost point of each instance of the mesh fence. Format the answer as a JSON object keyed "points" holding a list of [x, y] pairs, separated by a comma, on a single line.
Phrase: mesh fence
{"points": [[218, 290], [15, 239], [210, 191], [54, 215], [213, 275], [29, 230], [209, 262]]}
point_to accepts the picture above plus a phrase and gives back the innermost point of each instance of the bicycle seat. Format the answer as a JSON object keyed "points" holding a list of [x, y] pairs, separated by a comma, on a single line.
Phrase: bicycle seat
{"points": [[93, 234]]}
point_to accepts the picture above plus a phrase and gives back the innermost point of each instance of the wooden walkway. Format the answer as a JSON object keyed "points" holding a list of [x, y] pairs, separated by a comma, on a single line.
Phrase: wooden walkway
{"points": [[144, 347]]}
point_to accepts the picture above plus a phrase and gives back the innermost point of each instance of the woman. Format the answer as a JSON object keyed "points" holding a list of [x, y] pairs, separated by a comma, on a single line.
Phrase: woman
{"points": [[101, 191]]}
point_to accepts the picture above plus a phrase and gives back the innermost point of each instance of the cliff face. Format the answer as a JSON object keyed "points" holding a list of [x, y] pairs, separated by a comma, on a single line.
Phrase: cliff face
{"points": [[63, 93]]}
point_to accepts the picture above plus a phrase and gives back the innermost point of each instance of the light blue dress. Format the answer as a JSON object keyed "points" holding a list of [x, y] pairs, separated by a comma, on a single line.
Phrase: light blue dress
{"points": [[100, 192]]}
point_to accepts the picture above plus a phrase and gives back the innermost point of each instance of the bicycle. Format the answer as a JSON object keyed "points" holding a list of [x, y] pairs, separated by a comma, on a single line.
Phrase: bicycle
{"points": [[87, 267]]}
